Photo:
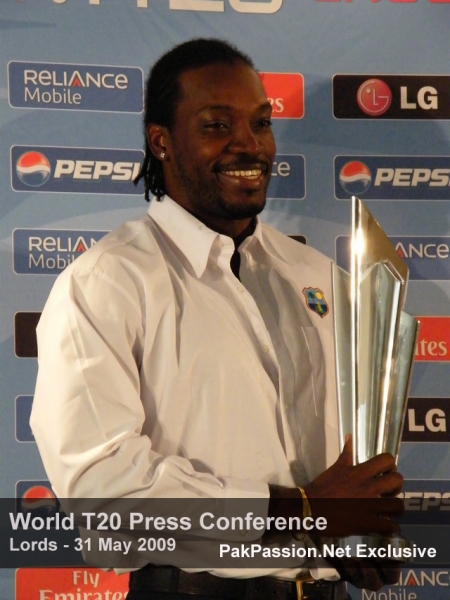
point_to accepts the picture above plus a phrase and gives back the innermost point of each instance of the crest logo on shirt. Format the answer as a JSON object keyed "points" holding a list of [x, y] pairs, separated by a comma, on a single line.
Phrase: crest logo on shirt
{"points": [[315, 301]]}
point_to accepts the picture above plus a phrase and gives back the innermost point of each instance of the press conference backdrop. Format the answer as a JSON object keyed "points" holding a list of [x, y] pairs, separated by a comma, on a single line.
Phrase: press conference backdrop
{"points": [[361, 104]]}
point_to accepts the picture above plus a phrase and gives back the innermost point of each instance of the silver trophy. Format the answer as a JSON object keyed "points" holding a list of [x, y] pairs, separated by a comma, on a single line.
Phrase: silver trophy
{"points": [[375, 342]]}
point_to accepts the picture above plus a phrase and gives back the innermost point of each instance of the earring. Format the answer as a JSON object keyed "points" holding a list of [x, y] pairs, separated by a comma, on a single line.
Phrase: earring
{"points": [[162, 155]]}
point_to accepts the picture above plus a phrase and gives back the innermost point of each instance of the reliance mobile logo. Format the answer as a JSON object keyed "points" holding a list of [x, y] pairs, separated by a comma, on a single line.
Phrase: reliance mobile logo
{"points": [[391, 96], [75, 170], [75, 87], [285, 92], [424, 577], [427, 258], [392, 177], [430, 580], [49, 251]]}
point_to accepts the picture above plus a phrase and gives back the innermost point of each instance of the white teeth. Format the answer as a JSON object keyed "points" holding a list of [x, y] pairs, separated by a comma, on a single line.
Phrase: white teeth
{"points": [[251, 174]]}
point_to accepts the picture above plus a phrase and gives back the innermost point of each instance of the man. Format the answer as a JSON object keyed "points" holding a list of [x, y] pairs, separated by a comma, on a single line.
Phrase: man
{"points": [[189, 362]]}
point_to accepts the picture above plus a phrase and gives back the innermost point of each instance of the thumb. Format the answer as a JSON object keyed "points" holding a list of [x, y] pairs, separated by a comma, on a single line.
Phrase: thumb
{"points": [[347, 451]]}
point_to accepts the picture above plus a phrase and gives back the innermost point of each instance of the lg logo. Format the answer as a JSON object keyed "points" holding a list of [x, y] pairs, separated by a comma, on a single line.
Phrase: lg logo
{"points": [[374, 97], [427, 420], [391, 96], [434, 421], [427, 98]]}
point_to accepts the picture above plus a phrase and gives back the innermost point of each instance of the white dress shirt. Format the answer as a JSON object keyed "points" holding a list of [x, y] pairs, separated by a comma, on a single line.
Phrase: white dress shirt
{"points": [[162, 375]]}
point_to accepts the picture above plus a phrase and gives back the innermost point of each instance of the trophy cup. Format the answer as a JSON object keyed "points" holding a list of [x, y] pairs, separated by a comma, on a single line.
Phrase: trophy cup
{"points": [[375, 342]]}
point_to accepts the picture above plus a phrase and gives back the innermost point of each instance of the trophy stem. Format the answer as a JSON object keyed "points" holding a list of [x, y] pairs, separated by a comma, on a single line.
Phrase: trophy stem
{"points": [[377, 290], [374, 345]]}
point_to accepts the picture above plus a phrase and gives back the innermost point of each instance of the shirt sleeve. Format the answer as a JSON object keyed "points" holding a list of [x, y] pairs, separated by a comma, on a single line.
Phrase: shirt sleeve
{"points": [[87, 412]]}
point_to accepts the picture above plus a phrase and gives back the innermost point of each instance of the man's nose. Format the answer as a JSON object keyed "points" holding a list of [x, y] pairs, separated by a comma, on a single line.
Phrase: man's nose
{"points": [[245, 140]]}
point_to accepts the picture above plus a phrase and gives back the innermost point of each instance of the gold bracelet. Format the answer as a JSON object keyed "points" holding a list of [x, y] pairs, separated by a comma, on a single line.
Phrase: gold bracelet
{"points": [[306, 510]]}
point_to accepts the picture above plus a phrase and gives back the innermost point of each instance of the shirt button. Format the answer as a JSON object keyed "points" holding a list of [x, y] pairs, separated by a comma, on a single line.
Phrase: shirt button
{"points": [[240, 289], [265, 348]]}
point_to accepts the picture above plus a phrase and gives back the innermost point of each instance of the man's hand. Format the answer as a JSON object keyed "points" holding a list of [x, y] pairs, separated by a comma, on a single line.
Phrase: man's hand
{"points": [[374, 478], [367, 573], [357, 499], [364, 502]]}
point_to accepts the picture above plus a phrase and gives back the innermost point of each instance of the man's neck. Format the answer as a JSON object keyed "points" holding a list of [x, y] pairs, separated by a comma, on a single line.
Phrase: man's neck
{"points": [[248, 231]]}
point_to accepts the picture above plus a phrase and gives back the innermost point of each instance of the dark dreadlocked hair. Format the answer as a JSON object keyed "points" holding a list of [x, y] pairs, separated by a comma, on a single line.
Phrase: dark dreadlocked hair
{"points": [[163, 94]]}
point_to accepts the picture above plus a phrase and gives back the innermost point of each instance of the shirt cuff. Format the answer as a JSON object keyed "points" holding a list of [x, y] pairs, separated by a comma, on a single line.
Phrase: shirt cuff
{"points": [[327, 573]]}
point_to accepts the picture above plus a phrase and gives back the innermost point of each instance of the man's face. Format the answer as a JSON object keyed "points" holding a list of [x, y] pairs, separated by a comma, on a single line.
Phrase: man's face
{"points": [[220, 148]]}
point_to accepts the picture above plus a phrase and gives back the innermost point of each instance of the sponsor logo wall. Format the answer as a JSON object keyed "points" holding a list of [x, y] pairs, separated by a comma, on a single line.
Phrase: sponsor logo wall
{"points": [[361, 105], [414, 584], [75, 87], [68, 583], [285, 92], [75, 170], [427, 420], [393, 177], [427, 257], [390, 97], [49, 251]]}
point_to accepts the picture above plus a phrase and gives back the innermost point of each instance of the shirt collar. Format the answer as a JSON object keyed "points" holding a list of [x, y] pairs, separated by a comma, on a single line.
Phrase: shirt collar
{"points": [[183, 228]]}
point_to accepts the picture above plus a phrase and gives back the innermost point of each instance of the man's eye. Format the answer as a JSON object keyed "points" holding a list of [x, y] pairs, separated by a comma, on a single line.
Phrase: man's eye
{"points": [[217, 125], [265, 123]]}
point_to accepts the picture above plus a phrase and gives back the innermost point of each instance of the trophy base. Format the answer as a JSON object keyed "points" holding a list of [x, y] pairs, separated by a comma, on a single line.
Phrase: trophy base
{"points": [[360, 547]]}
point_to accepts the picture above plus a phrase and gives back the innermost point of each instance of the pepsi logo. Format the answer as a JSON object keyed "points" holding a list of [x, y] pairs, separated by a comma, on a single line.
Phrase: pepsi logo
{"points": [[62, 169], [33, 168], [374, 97], [355, 177], [40, 500]]}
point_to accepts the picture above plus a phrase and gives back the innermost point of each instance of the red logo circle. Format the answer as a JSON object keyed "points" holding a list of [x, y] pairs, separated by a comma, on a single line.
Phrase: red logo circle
{"points": [[374, 97]]}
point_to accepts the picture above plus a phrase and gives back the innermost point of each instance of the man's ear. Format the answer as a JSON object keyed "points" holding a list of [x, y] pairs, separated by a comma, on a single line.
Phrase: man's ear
{"points": [[157, 137]]}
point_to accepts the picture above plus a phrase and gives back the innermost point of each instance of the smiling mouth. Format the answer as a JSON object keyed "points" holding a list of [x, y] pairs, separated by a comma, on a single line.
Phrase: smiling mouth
{"points": [[247, 174]]}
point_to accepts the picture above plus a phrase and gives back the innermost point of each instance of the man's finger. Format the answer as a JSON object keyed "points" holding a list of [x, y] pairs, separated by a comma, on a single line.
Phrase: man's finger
{"points": [[346, 456], [378, 465]]}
